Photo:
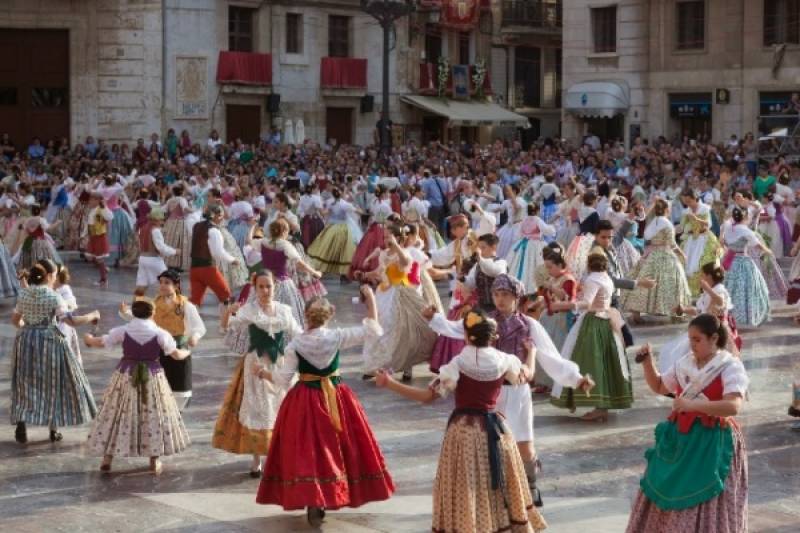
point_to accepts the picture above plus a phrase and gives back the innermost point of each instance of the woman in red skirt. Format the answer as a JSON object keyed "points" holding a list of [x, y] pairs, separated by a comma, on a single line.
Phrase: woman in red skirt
{"points": [[98, 247], [323, 455]]}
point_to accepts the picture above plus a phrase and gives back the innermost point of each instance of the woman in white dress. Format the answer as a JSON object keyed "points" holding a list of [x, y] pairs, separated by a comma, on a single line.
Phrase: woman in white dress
{"points": [[700, 246], [415, 211], [515, 208]]}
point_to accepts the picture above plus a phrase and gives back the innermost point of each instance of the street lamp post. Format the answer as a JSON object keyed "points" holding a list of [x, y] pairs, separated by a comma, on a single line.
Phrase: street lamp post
{"points": [[386, 12]]}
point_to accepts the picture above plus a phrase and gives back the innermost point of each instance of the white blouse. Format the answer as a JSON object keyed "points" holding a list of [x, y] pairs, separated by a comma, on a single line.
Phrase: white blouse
{"points": [[684, 371], [278, 318], [480, 364], [319, 346]]}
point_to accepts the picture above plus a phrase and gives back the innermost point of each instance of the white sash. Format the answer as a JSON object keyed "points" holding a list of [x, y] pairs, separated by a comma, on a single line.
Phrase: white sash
{"points": [[706, 375]]}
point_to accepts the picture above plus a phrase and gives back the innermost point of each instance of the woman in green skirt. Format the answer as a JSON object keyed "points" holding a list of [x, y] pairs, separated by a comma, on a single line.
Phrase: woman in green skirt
{"points": [[696, 475], [595, 343]]}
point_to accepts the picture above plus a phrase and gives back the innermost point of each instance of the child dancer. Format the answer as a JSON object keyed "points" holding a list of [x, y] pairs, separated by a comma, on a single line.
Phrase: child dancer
{"points": [[247, 416], [98, 247], [321, 418], [480, 483], [139, 416]]}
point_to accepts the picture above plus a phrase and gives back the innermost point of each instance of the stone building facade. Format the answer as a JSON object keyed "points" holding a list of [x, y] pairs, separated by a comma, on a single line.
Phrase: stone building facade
{"points": [[691, 68], [246, 67]]}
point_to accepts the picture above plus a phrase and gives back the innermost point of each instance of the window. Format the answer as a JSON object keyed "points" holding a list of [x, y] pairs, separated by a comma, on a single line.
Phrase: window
{"points": [[338, 36], [604, 29], [691, 25], [527, 76], [48, 97], [294, 33], [781, 22], [433, 43], [8, 96], [558, 77], [463, 48], [240, 29]]}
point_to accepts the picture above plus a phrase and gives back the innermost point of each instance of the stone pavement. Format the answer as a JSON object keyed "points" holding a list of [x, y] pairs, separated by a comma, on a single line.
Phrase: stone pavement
{"points": [[590, 476]]}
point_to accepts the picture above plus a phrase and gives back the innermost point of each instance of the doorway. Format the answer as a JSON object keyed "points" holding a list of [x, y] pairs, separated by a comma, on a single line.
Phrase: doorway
{"points": [[34, 85], [339, 125], [607, 129], [243, 122]]}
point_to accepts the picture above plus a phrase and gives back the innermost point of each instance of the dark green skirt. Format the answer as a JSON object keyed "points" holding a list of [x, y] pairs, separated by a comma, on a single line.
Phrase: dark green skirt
{"points": [[595, 353]]}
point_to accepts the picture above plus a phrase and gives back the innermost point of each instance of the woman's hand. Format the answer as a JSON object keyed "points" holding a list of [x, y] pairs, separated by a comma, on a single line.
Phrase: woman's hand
{"points": [[586, 384], [382, 379], [428, 313], [683, 405]]}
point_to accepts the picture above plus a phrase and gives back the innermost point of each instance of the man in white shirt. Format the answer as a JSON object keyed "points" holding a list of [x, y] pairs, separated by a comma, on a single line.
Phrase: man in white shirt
{"points": [[207, 247]]}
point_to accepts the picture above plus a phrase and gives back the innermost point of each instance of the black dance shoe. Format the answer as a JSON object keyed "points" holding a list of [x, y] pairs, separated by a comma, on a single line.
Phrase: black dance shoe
{"points": [[55, 436], [21, 434]]}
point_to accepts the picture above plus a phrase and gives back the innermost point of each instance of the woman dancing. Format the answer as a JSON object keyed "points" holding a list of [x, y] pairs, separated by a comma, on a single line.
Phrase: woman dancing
{"points": [[696, 476], [321, 418]]}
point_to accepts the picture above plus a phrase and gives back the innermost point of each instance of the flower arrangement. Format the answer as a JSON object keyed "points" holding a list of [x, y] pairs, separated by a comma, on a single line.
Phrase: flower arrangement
{"points": [[479, 76], [442, 74]]}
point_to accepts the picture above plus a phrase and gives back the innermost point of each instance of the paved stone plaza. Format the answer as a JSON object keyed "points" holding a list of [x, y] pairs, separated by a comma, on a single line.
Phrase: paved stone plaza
{"points": [[590, 473]]}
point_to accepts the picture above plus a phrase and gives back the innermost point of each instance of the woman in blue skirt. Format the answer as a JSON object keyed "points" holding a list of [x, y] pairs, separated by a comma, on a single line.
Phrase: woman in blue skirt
{"points": [[48, 384]]}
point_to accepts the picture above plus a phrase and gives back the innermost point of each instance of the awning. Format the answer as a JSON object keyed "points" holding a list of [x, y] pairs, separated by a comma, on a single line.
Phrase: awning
{"points": [[467, 112], [598, 98]]}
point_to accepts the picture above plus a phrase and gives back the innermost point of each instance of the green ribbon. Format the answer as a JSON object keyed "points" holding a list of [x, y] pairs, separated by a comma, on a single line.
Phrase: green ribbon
{"points": [[140, 377]]}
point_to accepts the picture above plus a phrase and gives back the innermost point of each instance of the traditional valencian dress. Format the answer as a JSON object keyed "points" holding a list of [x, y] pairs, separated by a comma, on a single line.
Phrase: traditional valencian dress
{"points": [[744, 281], [323, 452], [9, 284], [699, 245], [372, 239], [696, 476], [480, 480], [250, 407], [332, 251], [48, 384], [407, 339], [661, 264], [526, 254], [277, 257], [176, 232], [309, 210], [182, 321], [139, 416], [513, 331], [510, 234], [678, 346], [37, 244], [596, 344], [578, 252]]}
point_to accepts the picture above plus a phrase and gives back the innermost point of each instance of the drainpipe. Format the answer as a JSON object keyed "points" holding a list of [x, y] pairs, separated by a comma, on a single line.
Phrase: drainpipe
{"points": [[164, 57]]}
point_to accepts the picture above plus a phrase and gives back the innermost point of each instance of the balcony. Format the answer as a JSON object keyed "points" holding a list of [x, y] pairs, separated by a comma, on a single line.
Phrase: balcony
{"points": [[429, 84], [531, 16], [244, 68], [343, 74]]}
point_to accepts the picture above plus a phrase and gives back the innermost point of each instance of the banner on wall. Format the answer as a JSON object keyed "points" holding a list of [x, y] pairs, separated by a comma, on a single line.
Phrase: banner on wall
{"points": [[458, 14]]}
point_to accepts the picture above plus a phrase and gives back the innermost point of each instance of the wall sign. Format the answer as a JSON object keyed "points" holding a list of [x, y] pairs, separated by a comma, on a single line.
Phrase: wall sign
{"points": [[191, 87]]}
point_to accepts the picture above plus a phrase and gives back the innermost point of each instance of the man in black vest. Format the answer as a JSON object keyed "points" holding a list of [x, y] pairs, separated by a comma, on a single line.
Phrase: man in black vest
{"points": [[207, 247]]}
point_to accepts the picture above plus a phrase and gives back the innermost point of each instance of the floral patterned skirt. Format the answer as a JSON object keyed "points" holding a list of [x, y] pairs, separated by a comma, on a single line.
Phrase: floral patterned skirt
{"points": [[135, 422], [463, 498], [671, 290]]}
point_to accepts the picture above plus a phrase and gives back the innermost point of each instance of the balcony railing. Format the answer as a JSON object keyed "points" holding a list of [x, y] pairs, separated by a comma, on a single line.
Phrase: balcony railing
{"points": [[244, 68], [429, 80], [533, 14], [343, 73]]}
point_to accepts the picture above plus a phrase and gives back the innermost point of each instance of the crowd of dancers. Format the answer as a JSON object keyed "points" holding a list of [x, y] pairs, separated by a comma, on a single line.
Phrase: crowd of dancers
{"points": [[506, 272]]}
